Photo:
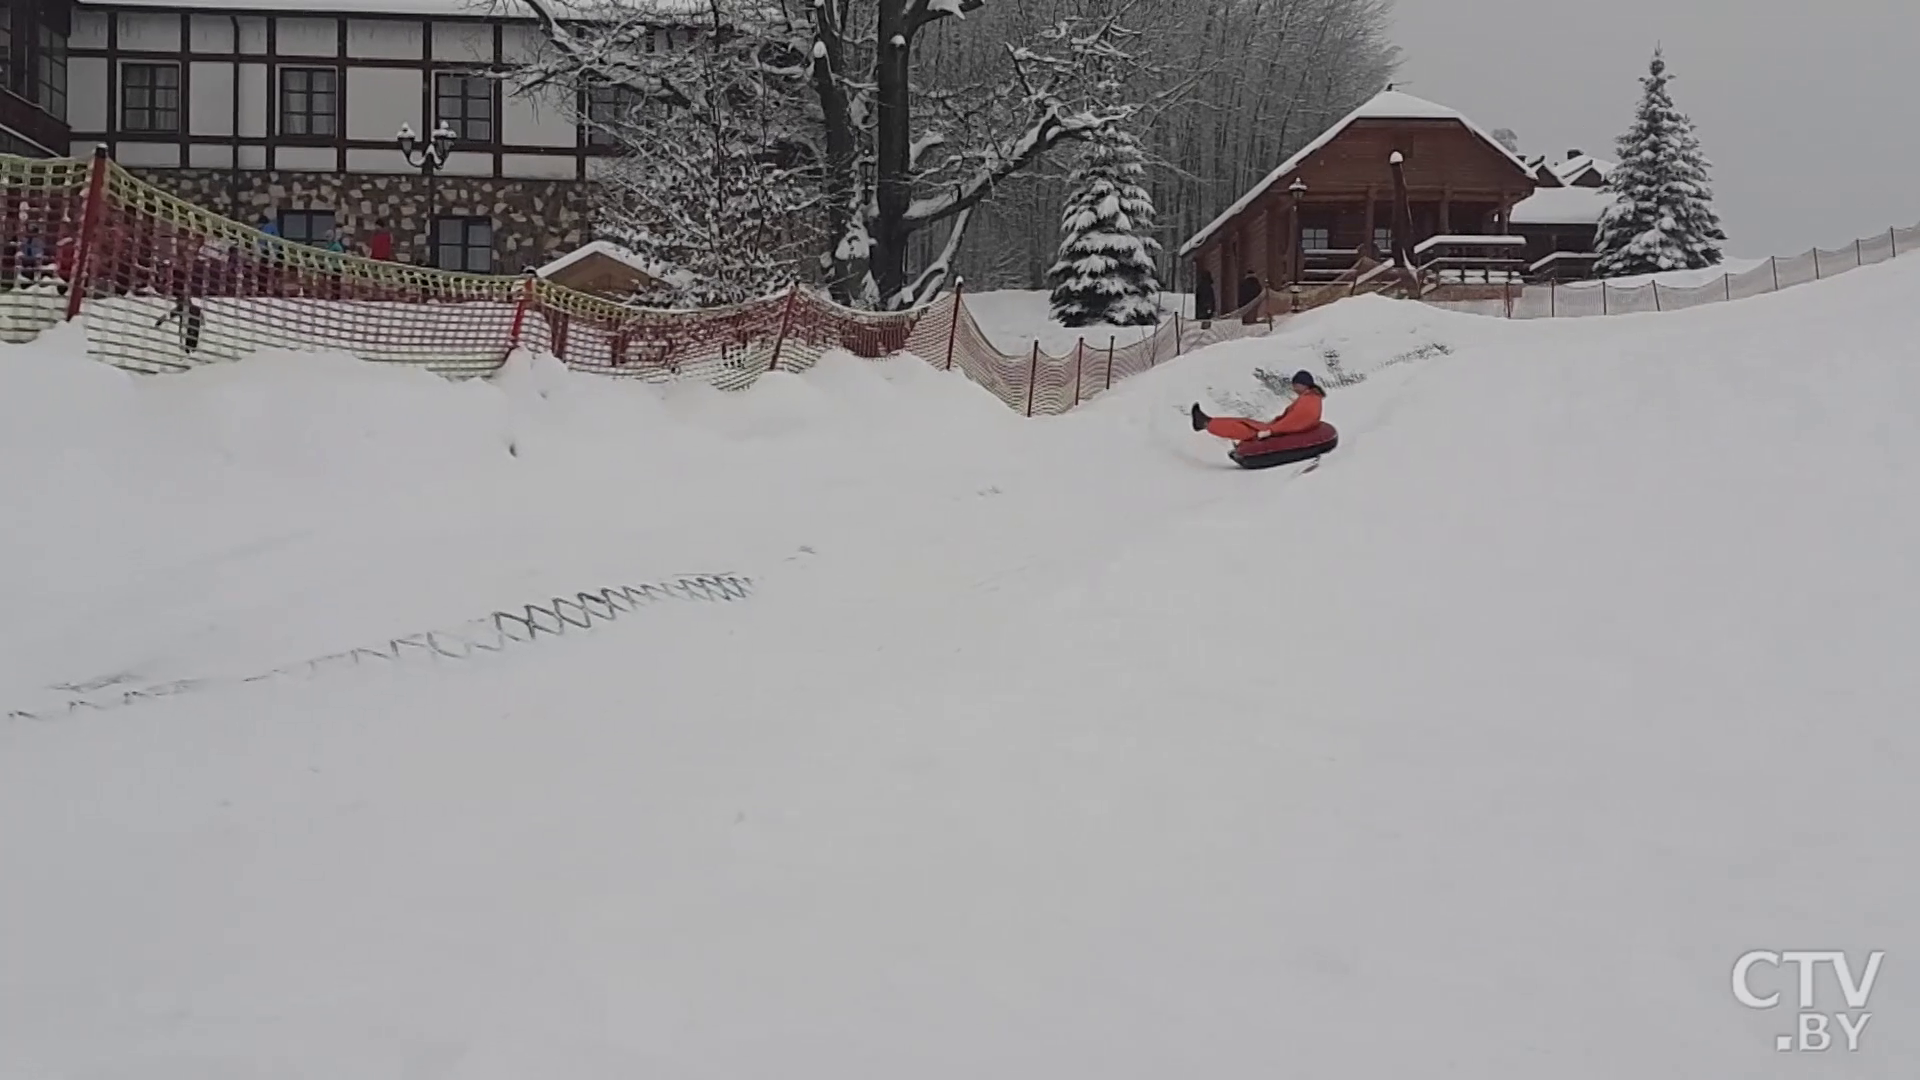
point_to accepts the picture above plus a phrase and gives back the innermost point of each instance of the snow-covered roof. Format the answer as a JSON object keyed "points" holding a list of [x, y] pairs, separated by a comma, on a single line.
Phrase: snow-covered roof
{"points": [[1387, 105], [1574, 166], [608, 249], [1562, 206]]}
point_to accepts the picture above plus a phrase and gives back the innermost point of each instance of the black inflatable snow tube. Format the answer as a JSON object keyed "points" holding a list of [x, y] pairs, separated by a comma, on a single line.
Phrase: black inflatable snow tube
{"points": [[1285, 449]]}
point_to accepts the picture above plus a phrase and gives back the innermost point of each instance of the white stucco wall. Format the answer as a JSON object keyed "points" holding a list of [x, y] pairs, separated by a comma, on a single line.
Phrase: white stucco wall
{"points": [[383, 39], [536, 167], [253, 103], [305, 158], [148, 155], [378, 161], [463, 42], [540, 118], [87, 93], [307, 37], [89, 30], [142, 31], [379, 100], [210, 100], [210, 34]]}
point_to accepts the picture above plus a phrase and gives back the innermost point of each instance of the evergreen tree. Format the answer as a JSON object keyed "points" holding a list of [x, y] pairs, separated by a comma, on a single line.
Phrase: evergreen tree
{"points": [[1663, 218], [1105, 270]]}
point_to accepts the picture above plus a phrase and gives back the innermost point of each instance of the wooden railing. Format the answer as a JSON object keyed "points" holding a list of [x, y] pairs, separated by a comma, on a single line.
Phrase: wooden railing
{"points": [[1470, 260], [1327, 265], [1563, 266]]}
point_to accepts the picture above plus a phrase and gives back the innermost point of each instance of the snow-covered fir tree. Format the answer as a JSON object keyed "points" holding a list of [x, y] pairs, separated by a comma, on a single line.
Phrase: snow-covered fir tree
{"points": [[1105, 269], [1663, 216]]}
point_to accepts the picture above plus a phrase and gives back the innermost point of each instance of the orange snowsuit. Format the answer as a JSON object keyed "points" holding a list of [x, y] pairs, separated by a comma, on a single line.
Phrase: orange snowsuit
{"points": [[1302, 415]]}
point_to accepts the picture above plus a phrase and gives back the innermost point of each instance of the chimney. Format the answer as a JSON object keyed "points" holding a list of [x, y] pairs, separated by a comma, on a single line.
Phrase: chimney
{"points": [[1574, 155]]}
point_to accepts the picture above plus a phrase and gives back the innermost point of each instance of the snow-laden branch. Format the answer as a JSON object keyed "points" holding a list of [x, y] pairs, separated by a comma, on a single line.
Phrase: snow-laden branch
{"points": [[1053, 127], [922, 12]]}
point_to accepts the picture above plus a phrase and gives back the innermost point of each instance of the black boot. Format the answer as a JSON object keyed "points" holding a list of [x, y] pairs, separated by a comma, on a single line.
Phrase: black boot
{"points": [[1199, 418]]}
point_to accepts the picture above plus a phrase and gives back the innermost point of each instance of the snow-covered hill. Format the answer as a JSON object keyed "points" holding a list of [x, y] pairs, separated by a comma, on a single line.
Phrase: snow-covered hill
{"points": [[1044, 748]]}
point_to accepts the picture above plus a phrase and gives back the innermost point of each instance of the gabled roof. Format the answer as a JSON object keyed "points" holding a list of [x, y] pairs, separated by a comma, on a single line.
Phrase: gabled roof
{"points": [[1563, 206], [606, 249], [1572, 167], [1389, 104]]}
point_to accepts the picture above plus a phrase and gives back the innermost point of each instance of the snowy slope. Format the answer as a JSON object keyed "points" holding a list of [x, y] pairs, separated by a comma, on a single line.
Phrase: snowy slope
{"points": [[1045, 748], [1013, 319]]}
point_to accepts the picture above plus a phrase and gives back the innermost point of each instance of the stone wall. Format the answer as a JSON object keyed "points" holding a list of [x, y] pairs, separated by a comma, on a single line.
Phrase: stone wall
{"points": [[534, 221]]}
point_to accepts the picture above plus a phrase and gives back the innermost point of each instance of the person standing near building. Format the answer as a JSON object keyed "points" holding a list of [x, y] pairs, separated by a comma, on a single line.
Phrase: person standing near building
{"points": [[380, 242]]}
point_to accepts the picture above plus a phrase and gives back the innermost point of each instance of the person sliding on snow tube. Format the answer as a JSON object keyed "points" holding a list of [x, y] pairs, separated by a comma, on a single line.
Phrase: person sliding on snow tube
{"points": [[1301, 416], [1295, 435]]}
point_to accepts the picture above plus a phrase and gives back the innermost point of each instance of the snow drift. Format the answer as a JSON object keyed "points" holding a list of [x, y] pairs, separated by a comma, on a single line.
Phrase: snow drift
{"points": [[1044, 748]]}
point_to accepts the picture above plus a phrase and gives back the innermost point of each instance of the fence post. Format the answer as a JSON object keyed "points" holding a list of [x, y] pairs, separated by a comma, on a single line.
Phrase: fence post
{"points": [[953, 328], [1176, 333], [1553, 298], [1603, 298], [1774, 262], [1893, 241], [89, 230], [1816, 263], [786, 319], [1079, 367], [520, 310], [1727, 280], [1656, 296], [1033, 376], [1110, 362]]}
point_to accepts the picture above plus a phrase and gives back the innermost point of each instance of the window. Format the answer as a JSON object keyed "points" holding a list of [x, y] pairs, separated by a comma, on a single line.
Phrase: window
{"points": [[1382, 241], [309, 101], [52, 73], [465, 104], [609, 105], [461, 243], [1315, 238], [306, 226], [150, 98]]}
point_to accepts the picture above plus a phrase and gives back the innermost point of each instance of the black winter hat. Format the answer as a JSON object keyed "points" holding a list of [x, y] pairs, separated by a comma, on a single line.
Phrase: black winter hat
{"points": [[1303, 378]]}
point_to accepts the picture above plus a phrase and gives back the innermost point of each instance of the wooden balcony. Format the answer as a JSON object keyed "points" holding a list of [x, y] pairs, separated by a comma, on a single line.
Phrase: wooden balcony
{"points": [[1471, 260], [1563, 266]]}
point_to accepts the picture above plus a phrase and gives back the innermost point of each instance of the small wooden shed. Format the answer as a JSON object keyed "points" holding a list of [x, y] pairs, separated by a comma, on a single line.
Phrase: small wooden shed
{"points": [[601, 268]]}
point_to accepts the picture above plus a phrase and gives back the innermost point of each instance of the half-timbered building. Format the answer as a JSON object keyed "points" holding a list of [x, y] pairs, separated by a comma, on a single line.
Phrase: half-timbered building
{"points": [[291, 110]]}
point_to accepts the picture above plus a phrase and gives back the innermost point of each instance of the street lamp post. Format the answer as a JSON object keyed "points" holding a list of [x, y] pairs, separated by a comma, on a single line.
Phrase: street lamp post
{"points": [[1296, 189], [429, 157]]}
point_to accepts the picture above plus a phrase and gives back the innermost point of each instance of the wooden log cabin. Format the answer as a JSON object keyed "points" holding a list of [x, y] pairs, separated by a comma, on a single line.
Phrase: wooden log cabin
{"points": [[1329, 211]]}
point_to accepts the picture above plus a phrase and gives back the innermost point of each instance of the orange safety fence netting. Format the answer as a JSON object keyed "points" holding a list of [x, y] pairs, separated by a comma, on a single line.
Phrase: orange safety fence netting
{"points": [[161, 285]]}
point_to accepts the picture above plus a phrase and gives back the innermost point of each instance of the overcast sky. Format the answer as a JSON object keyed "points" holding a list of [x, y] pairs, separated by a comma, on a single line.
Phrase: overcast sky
{"points": [[1806, 108]]}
